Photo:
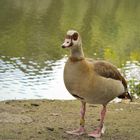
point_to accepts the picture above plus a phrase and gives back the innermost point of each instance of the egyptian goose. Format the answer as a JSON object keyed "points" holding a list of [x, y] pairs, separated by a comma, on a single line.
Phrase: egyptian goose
{"points": [[91, 81]]}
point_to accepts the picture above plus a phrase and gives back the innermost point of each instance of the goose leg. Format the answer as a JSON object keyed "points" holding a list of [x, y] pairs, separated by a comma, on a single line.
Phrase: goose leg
{"points": [[100, 130], [81, 129]]}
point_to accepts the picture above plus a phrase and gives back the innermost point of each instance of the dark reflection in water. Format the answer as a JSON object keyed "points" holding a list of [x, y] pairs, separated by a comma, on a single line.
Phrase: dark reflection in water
{"points": [[31, 33]]}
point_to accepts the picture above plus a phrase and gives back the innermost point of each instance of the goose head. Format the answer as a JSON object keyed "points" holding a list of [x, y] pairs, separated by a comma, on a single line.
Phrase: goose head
{"points": [[72, 39]]}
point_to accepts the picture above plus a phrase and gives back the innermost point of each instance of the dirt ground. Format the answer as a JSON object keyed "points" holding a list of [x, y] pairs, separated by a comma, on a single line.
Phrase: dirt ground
{"points": [[48, 120]]}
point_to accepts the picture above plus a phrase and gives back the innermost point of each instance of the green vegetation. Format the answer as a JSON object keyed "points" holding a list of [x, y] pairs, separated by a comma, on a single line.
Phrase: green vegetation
{"points": [[134, 88]]}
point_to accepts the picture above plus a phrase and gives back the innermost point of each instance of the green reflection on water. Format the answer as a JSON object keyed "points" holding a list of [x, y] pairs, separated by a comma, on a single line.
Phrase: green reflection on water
{"points": [[35, 29]]}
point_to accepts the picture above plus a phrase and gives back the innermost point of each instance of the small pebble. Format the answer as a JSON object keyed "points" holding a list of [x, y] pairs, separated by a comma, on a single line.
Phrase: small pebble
{"points": [[49, 128], [54, 114], [98, 119], [39, 132], [34, 104], [60, 127]]}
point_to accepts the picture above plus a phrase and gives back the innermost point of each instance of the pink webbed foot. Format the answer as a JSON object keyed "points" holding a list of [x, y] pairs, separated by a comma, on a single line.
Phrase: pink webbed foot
{"points": [[97, 133], [78, 132]]}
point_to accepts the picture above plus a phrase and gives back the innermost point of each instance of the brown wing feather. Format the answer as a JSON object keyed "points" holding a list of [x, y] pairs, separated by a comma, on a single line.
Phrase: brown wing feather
{"points": [[108, 70]]}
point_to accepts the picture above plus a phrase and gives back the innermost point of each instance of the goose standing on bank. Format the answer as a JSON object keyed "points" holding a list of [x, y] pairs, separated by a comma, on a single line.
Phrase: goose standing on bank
{"points": [[91, 81]]}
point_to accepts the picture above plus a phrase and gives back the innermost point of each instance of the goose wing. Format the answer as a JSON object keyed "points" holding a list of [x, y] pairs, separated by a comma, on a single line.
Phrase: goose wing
{"points": [[108, 70]]}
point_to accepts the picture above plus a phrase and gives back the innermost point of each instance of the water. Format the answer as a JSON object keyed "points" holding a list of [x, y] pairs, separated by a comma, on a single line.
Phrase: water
{"points": [[31, 33], [21, 81]]}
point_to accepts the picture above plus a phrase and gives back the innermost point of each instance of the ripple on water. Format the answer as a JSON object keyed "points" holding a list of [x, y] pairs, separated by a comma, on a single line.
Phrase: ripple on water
{"points": [[30, 80], [132, 70]]}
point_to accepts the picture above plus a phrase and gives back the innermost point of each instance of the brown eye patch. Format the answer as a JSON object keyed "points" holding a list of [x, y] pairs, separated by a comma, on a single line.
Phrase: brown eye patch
{"points": [[75, 36]]}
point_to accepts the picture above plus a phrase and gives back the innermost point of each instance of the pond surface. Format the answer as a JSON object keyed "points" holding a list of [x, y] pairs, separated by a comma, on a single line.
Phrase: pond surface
{"points": [[31, 33]]}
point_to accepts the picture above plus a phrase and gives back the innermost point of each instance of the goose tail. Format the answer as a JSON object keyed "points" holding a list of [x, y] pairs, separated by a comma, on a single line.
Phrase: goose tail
{"points": [[126, 95]]}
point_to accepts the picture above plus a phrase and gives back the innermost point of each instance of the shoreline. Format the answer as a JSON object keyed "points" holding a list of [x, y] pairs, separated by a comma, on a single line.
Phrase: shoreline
{"points": [[49, 119]]}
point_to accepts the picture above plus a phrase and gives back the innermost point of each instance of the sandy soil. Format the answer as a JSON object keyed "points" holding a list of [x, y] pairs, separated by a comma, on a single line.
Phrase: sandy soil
{"points": [[48, 120]]}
